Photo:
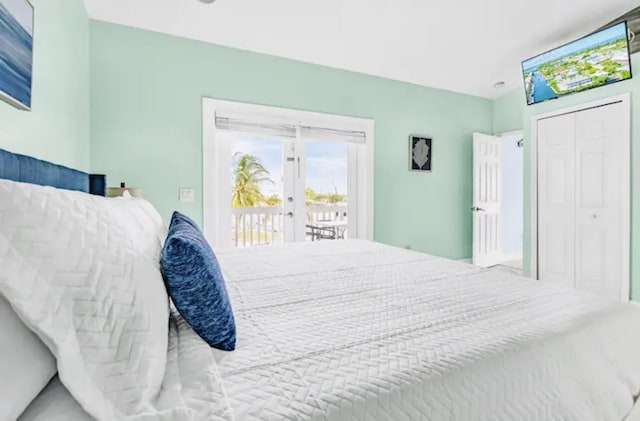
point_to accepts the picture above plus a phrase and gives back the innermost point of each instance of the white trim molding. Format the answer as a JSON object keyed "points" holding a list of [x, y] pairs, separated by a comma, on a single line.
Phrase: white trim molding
{"points": [[510, 134], [214, 181], [625, 99]]}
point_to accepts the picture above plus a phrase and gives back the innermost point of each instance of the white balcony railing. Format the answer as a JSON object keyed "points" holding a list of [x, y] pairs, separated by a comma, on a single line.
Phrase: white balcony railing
{"points": [[258, 226], [326, 213]]}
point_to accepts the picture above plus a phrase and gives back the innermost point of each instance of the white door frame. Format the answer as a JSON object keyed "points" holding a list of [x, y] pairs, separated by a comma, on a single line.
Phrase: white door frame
{"points": [[510, 134], [625, 99], [212, 160]]}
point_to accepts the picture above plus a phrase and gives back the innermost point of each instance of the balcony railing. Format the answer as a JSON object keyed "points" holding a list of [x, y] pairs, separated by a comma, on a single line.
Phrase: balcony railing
{"points": [[326, 213], [259, 226]]}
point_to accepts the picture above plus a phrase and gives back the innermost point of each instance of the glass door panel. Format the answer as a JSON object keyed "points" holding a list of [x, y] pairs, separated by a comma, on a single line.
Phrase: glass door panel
{"points": [[326, 190], [286, 190], [257, 189]]}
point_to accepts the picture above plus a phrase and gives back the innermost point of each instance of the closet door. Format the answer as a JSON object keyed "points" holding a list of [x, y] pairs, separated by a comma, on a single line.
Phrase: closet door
{"points": [[600, 200], [556, 199]]}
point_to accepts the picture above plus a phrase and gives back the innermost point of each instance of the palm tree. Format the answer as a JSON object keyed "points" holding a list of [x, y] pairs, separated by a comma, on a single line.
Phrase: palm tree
{"points": [[273, 200], [249, 174]]}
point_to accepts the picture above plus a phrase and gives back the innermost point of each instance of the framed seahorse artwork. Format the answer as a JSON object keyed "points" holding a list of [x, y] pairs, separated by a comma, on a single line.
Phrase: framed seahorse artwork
{"points": [[420, 153]]}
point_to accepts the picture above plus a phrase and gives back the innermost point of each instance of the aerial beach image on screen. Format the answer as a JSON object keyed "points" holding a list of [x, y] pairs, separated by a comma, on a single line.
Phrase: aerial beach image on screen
{"points": [[596, 60]]}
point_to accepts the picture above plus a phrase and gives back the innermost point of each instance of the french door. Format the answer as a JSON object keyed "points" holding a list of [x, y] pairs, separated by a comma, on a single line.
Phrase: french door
{"points": [[273, 176]]}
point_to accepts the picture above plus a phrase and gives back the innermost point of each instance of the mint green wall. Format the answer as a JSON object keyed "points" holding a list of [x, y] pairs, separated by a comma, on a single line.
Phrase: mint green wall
{"points": [[507, 112], [510, 112], [57, 128], [146, 127]]}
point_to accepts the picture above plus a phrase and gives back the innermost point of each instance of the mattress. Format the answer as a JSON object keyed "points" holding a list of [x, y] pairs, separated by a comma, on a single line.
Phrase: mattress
{"points": [[354, 330]]}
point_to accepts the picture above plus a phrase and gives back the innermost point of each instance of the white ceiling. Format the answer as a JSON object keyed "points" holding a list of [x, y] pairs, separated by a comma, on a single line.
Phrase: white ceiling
{"points": [[459, 45]]}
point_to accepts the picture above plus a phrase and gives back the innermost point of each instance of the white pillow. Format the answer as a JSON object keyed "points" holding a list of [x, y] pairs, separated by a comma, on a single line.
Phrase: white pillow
{"points": [[26, 365], [83, 273]]}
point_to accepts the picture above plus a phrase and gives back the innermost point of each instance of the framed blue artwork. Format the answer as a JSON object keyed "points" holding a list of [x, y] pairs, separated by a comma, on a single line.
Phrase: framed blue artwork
{"points": [[16, 52], [420, 153]]}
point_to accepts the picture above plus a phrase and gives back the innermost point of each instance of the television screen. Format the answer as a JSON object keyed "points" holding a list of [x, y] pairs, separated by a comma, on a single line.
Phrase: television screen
{"points": [[16, 52], [596, 60], [633, 25]]}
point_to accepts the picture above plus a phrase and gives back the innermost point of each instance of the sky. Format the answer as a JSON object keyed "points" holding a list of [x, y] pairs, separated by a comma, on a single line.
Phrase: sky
{"points": [[327, 166], [22, 11], [326, 162], [615, 32]]}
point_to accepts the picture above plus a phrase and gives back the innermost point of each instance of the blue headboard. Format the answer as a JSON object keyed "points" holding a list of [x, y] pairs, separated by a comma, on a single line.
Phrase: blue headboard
{"points": [[26, 169]]}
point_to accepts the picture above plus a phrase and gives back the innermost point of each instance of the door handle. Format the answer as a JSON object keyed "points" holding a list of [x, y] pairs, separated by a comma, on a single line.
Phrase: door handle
{"points": [[477, 209], [290, 214]]}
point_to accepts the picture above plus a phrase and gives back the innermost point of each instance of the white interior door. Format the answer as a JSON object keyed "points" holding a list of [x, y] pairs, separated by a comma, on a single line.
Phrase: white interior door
{"points": [[601, 199], [487, 195], [556, 198]]}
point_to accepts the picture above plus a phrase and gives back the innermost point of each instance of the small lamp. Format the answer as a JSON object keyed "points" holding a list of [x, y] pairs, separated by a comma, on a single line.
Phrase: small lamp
{"points": [[123, 190]]}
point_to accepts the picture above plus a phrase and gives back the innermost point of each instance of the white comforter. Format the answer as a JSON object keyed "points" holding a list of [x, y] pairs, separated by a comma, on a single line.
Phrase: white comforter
{"points": [[327, 331], [361, 331]]}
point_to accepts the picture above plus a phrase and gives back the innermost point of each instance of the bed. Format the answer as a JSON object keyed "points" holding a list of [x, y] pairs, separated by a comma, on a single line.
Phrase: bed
{"points": [[358, 331], [354, 330]]}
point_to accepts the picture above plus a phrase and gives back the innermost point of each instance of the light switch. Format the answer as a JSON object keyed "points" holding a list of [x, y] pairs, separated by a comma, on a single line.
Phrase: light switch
{"points": [[187, 195]]}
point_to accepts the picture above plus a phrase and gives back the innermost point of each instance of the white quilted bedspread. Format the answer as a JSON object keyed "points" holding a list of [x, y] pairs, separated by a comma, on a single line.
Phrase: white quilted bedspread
{"points": [[360, 331]]}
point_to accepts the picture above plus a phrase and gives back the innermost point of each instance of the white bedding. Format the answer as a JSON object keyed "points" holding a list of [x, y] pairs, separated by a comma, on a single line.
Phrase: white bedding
{"points": [[360, 331]]}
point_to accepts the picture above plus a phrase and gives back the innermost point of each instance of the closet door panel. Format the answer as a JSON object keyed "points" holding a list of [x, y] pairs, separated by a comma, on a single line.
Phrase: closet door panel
{"points": [[600, 147], [556, 199]]}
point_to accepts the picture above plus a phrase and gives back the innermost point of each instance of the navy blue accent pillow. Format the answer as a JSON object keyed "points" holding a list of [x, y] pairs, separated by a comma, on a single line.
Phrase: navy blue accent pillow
{"points": [[177, 216], [195, 283]]}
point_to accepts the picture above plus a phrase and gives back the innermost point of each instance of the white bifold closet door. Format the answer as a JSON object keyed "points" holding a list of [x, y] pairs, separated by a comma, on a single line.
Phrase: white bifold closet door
{"points": [[583, 200]]}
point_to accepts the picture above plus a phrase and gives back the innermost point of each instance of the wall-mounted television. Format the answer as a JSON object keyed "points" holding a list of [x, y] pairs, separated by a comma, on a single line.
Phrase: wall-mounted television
{"points": [[633, 25], [16, 52], [596, 60]]}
